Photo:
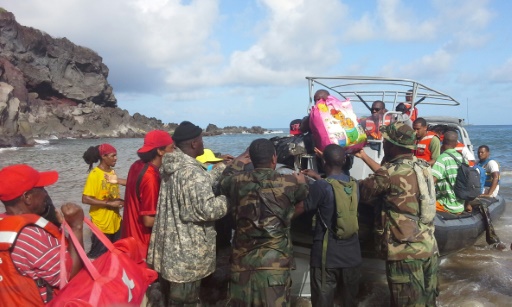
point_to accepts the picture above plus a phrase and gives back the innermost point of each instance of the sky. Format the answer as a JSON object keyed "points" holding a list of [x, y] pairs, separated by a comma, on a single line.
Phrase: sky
{"points": [[244, 62]]}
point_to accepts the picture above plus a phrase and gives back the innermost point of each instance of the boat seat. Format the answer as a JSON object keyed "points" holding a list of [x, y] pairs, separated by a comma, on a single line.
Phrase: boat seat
{"points": [[451, 216]]}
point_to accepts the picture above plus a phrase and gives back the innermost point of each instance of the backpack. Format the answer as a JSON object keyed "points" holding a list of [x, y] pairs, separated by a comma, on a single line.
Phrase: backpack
{"points": [[345, 195], [287, 148], [483, 176], [467, 183], [426, 190]]}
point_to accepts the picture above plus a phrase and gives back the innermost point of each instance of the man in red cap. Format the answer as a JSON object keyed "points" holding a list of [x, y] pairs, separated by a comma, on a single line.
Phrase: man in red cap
{"points": [[142, 187], [29, 244]]}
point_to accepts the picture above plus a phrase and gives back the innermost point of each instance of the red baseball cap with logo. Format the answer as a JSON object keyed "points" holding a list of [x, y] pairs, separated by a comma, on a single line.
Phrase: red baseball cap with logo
{"points": [[155, 139], [20, 178]]}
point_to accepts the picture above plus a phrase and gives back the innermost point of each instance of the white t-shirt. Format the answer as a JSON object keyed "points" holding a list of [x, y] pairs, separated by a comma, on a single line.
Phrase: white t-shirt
{"points": [[491, 167]]}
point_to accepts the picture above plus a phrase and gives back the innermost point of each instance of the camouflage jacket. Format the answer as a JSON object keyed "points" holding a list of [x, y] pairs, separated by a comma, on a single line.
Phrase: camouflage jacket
{"points": [[182, 245], [263, 203], [215, 176], [396, 188]]}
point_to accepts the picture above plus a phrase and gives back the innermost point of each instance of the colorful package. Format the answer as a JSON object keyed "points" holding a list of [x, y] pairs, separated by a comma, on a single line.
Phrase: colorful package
{"points": [[334, 122]]}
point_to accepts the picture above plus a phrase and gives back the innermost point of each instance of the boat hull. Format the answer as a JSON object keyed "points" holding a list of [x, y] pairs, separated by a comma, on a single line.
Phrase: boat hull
{"points": [[452, 233]]}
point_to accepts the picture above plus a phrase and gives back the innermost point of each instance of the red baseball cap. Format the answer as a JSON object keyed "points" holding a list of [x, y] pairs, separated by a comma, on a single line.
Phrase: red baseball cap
{"points": [[20, 178], [155, 139]]}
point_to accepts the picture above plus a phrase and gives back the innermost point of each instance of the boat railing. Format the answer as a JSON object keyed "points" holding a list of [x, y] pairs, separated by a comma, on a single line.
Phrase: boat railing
{"points": [[365, 90]]}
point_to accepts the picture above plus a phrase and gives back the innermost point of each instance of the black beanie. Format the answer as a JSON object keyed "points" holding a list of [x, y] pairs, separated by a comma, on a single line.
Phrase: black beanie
{"points": [[186, 131]]}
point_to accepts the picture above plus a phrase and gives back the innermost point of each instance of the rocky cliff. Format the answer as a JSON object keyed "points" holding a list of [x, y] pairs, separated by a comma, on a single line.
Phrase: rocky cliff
{"points": [[52, 87]]}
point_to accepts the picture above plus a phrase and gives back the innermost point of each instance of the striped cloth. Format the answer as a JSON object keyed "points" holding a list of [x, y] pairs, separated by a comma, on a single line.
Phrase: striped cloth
{"points": [[445, 170], [36, 254]]}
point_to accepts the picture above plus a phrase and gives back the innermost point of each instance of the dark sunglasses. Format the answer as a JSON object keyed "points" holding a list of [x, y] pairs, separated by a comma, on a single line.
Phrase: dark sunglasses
{"points": [[376, 109]]}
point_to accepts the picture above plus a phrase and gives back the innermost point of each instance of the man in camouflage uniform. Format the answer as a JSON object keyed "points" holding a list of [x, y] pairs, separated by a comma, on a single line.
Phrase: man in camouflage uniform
{"points": [[263, 204], [182, 245], [408, 245]]}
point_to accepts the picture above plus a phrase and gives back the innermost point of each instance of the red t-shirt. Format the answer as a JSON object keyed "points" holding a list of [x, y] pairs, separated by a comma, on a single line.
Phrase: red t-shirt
{"points": [[134, 209]]}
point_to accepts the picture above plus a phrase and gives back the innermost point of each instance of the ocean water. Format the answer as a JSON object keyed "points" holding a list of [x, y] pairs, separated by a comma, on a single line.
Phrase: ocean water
{"points": [[476, 276]]}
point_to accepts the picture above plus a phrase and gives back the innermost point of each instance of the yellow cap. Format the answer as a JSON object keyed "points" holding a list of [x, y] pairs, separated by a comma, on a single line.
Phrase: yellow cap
{"points": [[208, 157]]}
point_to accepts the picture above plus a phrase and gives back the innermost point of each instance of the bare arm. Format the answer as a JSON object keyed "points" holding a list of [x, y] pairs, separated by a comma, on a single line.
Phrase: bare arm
{"points": [[299, 209], [74, 216], [494, 183], [112, 178], [311, 173], [89, 200], [374, 166], [148, 220], [227, 157], [121, 181]]}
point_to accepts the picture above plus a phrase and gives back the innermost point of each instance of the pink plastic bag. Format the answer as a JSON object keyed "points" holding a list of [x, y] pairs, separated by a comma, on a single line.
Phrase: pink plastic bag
{"points": [[334, 122]]}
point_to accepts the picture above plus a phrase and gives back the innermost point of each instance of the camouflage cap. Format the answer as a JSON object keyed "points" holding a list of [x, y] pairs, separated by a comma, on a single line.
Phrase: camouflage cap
{"points": [[399, 134]]}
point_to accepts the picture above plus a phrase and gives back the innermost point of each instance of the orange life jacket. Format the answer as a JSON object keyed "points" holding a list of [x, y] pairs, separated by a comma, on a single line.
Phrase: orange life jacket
{"points": [[412, 115], [16, 289], [372, 128], [423, 147], [459, 148]]}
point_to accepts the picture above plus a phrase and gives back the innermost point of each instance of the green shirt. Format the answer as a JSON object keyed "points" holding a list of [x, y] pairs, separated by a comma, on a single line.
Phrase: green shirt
{"points": [[435, 148], [445, 170]]}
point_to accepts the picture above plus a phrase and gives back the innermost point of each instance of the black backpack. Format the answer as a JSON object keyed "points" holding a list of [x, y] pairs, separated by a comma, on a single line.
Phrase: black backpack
{"points": [[467, 184], [287, 148]]}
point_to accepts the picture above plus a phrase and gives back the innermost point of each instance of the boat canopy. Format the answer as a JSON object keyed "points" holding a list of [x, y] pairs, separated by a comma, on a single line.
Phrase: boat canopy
{"points": [[389, 90]]}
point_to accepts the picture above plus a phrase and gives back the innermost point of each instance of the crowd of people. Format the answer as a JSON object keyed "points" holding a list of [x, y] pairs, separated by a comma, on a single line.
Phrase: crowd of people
{"points": [[182, 201]]}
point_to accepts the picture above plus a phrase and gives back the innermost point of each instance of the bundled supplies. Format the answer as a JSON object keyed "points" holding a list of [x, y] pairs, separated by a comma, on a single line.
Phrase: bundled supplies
{"points": [[334, 122]]}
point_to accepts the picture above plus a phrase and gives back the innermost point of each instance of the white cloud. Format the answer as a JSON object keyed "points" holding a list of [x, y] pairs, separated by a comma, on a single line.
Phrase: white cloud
{"points": [[393, 20], [296, 37], [173, 32], [429, 66]]}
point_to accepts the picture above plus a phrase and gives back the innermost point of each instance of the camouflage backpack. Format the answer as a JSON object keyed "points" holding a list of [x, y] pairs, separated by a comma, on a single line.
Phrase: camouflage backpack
{"points": [[426, 190]]}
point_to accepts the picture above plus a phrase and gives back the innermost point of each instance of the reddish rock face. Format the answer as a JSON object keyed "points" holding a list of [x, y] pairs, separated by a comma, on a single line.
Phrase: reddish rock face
{"points": [[13, 76]]}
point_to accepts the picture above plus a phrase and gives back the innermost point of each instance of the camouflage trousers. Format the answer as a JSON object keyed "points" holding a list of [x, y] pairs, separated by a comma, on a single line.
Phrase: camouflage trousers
{"points": [[413, 282], [260, 288], [180, 294]]}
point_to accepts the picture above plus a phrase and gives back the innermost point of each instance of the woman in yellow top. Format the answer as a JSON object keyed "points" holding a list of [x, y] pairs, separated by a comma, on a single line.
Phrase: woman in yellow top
{"points": [[102, 195]]}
